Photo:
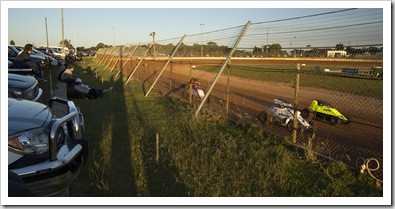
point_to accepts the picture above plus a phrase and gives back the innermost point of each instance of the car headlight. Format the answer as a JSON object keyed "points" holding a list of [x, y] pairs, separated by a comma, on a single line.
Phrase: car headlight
{"points": [[30, 142]]}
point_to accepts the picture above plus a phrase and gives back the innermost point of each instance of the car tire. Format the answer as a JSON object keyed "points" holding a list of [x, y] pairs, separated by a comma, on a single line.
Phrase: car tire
{"points": [[305, 112], [290, 125], [334, 120]]}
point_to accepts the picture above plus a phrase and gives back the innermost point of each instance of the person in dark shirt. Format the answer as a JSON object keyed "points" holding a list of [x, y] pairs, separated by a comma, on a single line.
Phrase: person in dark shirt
{"points": [[23, 60]]}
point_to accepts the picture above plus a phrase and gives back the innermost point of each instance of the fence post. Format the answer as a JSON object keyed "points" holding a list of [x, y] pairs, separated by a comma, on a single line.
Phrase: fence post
{"points": [[164, 67], [223, 66], [190, 84], [171, 75], [138, 64], [157, 148], [227, 93], [296, 100]]}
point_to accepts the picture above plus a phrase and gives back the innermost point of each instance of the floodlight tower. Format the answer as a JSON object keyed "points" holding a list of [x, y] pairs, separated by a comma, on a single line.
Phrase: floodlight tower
{"points": [[153, 41], [201, 41]]}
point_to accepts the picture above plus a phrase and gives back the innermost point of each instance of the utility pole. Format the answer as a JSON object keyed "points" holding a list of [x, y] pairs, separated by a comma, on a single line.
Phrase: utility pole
{"points": [[62, 33], [50, 73], [113, 29], [201, 41], [75, 38], [153, 42]]}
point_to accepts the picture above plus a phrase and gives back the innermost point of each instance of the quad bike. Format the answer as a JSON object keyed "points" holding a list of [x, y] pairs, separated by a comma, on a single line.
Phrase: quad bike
{"points": [[282, 112], [324, 111]]}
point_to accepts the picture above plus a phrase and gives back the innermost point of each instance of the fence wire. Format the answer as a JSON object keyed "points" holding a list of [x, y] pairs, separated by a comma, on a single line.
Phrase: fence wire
{"points": [[340, 91]]}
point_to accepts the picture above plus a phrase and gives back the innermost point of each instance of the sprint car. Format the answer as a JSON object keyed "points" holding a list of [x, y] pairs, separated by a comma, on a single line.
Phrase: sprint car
{"points": [[322, 110], [282, 112]]}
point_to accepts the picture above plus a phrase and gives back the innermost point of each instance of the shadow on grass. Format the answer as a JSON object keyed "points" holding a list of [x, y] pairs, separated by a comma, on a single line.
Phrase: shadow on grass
{"points": [[111, 169]]}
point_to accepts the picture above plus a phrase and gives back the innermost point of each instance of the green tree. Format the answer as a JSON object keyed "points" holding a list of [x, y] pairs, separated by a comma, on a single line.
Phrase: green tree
{"points": [[12, 42], [101, 45], [275, 49], [67, 43]]}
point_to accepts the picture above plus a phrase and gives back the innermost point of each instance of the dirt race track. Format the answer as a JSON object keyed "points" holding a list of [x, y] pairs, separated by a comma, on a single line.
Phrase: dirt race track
{"points": [[250, 97]]}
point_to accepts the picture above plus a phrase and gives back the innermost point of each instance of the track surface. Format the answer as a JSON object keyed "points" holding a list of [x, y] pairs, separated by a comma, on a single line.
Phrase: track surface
{"points": [[251, 96]]}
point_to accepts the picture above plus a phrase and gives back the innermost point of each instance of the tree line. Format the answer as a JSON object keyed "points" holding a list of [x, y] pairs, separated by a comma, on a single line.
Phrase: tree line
{"points": [[212, 49]]}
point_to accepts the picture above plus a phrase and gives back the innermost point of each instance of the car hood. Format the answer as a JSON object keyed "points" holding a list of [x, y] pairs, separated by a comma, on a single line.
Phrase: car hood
{"points": [[20, 81], [25, 115], [38, 57]]}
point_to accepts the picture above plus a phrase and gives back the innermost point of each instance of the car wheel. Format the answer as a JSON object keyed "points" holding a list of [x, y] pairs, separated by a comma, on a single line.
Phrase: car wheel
{"points": [[290, 125], [262, 117], [305, 112], [333, 120]]}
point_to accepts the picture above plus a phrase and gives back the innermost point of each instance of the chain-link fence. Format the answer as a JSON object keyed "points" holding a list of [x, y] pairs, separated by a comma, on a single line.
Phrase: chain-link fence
{"points": [[327, 68]]}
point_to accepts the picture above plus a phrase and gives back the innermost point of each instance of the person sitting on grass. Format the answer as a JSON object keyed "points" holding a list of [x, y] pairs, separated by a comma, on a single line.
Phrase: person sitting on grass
{"points": [[75, 87]]}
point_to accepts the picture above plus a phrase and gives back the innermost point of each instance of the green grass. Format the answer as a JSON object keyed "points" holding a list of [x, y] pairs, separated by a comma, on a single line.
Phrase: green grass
{"points": [[203, 156], [358, 85]]}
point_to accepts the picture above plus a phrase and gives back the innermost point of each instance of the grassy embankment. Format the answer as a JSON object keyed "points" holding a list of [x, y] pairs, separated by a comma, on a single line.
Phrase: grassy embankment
{"points": [[198, 156]]}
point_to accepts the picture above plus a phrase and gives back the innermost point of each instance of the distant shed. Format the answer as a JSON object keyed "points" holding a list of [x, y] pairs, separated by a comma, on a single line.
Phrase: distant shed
{"points": [[336, 53]]}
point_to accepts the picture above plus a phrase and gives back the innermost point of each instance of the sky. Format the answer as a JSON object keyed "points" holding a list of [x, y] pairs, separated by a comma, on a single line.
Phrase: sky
{"points": [[87, 24]]}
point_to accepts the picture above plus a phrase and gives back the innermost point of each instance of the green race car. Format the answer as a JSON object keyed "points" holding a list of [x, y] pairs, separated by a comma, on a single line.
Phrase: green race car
{"points": [[324, 111]]}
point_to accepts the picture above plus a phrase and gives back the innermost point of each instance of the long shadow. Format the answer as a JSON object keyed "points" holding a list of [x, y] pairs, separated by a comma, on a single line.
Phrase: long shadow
{"points": [[109, 170], [163, 177], [121, 176], [122, 179]]}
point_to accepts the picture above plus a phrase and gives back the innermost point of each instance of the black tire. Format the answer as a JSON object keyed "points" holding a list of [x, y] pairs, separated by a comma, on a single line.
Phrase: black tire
{"points": [[262, 117], [305, 113], [334, 120], [290, 125]]}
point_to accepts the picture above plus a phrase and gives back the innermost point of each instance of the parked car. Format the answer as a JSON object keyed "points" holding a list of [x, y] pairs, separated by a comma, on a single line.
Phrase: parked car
{"points": [[52, 52], [282, 112], [52, 59], [46, 151], [22, 71], [324, 111], [13, 51], [23, 87]]}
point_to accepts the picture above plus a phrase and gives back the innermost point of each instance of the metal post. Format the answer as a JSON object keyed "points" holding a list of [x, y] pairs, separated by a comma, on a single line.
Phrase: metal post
{"points": [[103, 56], [129, 58], [227, 93], [138, 64], [171, 75], [164, 67], [296, 101], [112, 58], [201, 41], [116, 62], [50, 72], [157, 148], [190, 84], [108, 56], [223, 66]]}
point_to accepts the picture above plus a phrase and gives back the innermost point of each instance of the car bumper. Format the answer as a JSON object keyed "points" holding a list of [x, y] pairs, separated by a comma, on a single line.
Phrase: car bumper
{"points": [[53, 178], [38, 97]]}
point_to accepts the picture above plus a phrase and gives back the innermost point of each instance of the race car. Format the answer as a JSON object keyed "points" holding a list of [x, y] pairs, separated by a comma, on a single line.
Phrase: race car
{"points": [[324, 111], [282, 112]]}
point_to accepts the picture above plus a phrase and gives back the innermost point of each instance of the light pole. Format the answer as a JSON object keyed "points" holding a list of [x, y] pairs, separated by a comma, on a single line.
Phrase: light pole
{"points": [[113, 29], [153, 41], [201, 41]]}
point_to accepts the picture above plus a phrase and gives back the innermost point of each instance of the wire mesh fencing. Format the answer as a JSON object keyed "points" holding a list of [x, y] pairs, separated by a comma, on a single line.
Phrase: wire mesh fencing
{"points": [[316, 79]]}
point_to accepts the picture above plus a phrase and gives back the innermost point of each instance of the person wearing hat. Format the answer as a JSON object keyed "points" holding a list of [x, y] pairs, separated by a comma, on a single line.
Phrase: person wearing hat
{"points": [[23, 60]]}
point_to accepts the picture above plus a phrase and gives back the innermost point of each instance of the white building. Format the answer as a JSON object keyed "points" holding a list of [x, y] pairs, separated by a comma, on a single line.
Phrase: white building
{"points": [[336, 53]]}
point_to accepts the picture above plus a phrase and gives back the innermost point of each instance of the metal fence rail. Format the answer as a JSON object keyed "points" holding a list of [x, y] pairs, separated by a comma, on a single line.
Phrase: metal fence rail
{"points": [[338, 64]]}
